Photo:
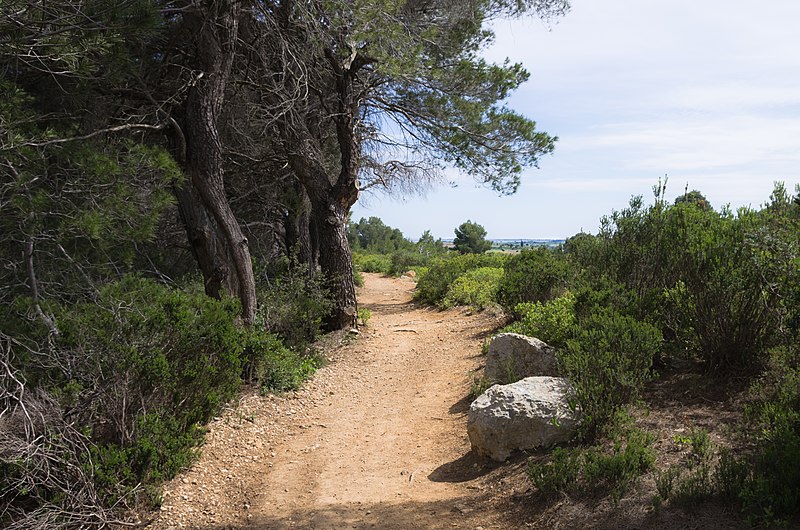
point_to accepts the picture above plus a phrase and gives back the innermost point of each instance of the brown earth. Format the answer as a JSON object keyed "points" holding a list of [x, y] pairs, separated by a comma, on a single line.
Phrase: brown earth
{"points": [[377, 439]]}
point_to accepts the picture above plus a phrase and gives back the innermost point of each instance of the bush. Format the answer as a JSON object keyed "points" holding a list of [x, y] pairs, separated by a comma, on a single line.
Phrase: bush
{"points": [[608, 362], [552, 322], [533, 275], [432, 287], [292, 305], [476, 288], [770, 493], [608, 469], [130, 381], [405, 260], [729, 302], [275, 367], [363, 262]]}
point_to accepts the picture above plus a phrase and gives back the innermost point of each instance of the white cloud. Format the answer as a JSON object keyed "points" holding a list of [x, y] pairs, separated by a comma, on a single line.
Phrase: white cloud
{"points": [[707, 92]]}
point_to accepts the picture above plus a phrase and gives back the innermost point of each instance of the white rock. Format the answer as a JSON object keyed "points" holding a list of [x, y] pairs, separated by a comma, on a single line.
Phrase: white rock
{"points": [[513, 356], [527, 414]]}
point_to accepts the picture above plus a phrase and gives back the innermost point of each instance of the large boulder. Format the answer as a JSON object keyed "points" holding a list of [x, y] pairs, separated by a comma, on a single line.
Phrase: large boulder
{"points": [[527, 414], [513, 356]]}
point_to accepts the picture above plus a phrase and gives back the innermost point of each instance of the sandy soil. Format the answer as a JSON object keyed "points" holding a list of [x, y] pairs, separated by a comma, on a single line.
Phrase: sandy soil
{"points": [[378, 440]]}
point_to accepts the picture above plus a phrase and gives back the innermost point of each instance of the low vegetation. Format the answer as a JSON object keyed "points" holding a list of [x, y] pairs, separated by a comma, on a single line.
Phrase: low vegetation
{"points": [[117, 402], [660, 284]]}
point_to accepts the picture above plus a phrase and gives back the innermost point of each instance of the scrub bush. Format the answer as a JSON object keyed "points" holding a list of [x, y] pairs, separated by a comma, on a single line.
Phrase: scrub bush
{"points": [[552, 322], [432, 287], [533, 275], [476, 288], [125, 387], [608, 362]]}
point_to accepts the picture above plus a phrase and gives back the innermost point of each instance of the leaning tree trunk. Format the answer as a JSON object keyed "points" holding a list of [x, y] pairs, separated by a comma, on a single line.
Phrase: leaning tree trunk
{"points": [[216, 25]]}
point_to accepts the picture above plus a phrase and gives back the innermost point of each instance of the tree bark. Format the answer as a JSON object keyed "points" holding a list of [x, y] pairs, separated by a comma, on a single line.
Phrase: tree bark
{"points": [[207, 242], [216, 26], [336, 263], [330, 205], [299, 241]]}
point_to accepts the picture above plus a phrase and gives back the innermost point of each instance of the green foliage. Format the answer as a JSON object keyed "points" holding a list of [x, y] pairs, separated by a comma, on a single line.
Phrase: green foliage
{"points": [[608, 362], [437, 87], [665, 482], [363, 262], [479, 386], [559, 474], [533, 275], [404, 260], [770, 491], [696, 273], [471, 239], [153, 364], [149, 365], [275, 367], [628, 459], [384, 254], [694, 198], [373, 236], [476, 288], [599, 468], [432, 287], [364, 315], [292, 304], [552, 322]]}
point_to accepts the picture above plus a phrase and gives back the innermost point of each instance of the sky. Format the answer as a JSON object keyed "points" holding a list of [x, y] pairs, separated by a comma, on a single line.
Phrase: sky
{"points": [[704, 92]]}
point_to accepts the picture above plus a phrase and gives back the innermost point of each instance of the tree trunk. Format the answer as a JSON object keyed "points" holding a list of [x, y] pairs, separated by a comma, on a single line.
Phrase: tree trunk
{"points": [[216, 25], [336, 262], [299, 242], [330, 206], [207, 242]]}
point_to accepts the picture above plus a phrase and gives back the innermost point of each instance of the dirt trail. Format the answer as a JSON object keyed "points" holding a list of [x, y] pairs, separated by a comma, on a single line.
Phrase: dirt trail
{"points": [[376, 440]]}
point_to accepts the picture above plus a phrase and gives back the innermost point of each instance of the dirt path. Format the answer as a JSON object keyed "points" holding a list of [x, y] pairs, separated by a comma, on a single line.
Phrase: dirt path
{"points": [[376, 440]]}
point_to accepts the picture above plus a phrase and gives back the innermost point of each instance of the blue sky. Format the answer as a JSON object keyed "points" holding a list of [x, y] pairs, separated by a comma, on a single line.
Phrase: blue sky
{"points": [[706, 92]]}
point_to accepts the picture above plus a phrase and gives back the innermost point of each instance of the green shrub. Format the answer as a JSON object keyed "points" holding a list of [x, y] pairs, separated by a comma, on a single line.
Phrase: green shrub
{"points": [[432, 286], [770, 493], [479, 385], [599, 468], [283, 369], [533, 275], [628, 459], [476, 288], [364, 262], [552, 322], [148, 367], [696, 484], [404, 260], [292, 305], [559, 474], [152, 365], [364, 315], [729, 299], [608, 362]]}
